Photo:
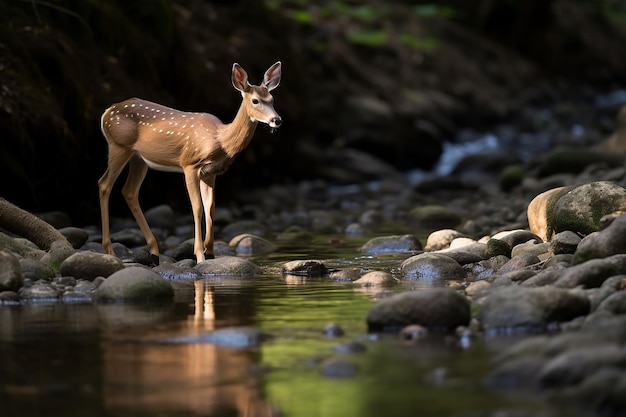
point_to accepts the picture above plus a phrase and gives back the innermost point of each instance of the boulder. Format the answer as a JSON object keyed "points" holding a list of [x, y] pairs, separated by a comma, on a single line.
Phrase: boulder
{"points": [[515, 308], [439, 309], [607, 242], [89, 265], [251, 245], [11, 276], [432, 267], [135, 283]]}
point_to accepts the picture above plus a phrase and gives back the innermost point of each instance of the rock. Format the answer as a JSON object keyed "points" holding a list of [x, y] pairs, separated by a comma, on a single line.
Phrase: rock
{"points": [[11, 275], [355, 229], [20, 247], [540, 212], [441, 239], [75, 235], [76, 297], [614, 303], [375, 279], [477, 287], [602, 393], [36, 270], [515, 309], [531, 248], [576, 364], [333, 330], [294, 234], [432, 267], [87, 287], [391, 244], [464, 258], [175, 271], [309, 268], [497, 247], [59, 251], [433, 217], [135, 283], [130, 238], [243, 227], [604, 243], [413, 332], [9, 297], [89, 265], [228, 266], [161, 217], [564, 242], [184, 250], [435, 309], [523, 260], [581, 209], [589, 274], [40, 291], [345, 275], [251, 245], [517, 237]]}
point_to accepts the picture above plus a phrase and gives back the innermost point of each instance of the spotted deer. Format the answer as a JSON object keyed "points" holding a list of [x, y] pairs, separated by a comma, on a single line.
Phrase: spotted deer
{"points": [[146, 135]]}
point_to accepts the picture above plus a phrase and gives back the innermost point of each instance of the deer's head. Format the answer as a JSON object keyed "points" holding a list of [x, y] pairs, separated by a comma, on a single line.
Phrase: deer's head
{"points": [[257, 100]]}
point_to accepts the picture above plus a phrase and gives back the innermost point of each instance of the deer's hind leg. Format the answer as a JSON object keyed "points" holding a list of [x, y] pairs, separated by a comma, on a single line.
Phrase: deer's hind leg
{"points": [[118, 158], [137, 170]]}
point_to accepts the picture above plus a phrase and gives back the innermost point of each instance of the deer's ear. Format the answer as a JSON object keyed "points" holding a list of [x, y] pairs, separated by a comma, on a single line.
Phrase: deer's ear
{"points": [[271, 79], [240, 78]]}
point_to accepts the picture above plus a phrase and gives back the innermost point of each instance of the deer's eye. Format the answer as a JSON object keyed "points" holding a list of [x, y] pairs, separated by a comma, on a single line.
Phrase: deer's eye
{"points": [[255, 101]]}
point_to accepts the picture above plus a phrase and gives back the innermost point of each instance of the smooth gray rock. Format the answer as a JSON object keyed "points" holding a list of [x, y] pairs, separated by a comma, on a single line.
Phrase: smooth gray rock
{"points": [[432, 267], [391, 244], [251, 245], [135, 283], [309, 268], [89, 265], [436, 309], [607, 242], [228, 266], [516, 308], [11, 275]]}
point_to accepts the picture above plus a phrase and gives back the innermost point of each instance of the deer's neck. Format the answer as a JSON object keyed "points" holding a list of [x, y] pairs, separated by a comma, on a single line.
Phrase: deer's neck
{"points": [[235, 136]]}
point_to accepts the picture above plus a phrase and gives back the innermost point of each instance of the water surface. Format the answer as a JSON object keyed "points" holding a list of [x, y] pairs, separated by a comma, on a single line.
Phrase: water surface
{"points": [[110, 359]]}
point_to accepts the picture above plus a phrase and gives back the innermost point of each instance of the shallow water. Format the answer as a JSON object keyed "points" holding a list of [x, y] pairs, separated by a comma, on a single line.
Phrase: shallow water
{"points": [[110, 359]]}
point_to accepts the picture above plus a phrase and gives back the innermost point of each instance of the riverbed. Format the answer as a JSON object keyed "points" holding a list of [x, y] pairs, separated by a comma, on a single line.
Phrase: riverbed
{"points": [[116, 359]]}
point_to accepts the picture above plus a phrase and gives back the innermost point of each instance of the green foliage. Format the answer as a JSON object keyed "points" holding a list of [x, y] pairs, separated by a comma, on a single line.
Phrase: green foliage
{"points": [[370, 38], [420, 43]]}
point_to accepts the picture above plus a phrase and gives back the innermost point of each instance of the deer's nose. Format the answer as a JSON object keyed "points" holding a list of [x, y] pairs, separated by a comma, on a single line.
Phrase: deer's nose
{"points": [[276, 121]]}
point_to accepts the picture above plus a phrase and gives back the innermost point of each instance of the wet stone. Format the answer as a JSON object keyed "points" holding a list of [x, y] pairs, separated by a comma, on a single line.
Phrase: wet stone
{"points": [[310, 268], [391, 244], [333, 330]]}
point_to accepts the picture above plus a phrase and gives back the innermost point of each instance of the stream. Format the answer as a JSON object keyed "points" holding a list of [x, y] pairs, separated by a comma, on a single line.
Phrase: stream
{"points": [[111, 359]]}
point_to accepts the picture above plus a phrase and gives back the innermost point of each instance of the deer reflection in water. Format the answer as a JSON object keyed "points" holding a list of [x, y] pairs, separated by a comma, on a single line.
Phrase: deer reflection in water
{"points": [[200, 378]]}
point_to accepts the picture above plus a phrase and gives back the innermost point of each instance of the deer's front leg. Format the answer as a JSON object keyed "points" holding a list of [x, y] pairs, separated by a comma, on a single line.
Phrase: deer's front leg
{"points": [[192, 180], [207, 189]]}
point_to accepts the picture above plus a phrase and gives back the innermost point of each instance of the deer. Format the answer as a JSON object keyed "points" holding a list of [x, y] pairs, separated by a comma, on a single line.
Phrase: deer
{"points": [[143, 134]]}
